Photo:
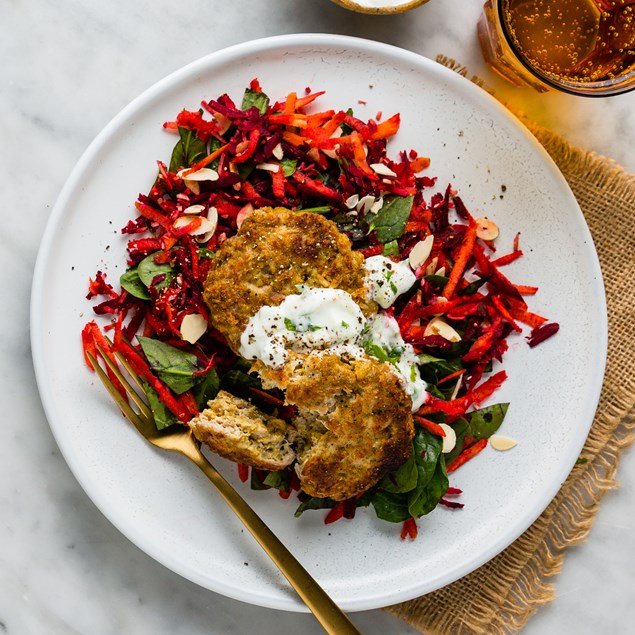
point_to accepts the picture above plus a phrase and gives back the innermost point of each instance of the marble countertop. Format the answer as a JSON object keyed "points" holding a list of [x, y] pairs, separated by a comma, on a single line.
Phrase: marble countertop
{"points": [[67, 69]]}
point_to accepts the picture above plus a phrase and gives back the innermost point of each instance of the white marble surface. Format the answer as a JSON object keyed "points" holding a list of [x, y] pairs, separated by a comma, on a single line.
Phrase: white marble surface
{"points": [[67, 68]]}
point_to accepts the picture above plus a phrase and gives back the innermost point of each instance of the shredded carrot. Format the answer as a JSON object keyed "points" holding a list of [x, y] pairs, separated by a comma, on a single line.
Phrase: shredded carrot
{"points": [[465, 251], [430, 426], [451, 376], [409, 529], [466, 455]]}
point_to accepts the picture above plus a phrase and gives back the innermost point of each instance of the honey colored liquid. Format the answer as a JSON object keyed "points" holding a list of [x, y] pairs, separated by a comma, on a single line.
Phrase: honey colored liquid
{"points": [[574, 40]]}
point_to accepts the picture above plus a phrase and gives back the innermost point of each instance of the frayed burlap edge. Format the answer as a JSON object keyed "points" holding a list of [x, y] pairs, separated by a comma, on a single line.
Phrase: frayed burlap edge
{"points": [[501, 596]]}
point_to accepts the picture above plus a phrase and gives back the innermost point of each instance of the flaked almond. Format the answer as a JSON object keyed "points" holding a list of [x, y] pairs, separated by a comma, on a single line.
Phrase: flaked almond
{"points": [[212, 223], [351, 201], [449, 440], [486, 229], [420, 252], [440, 271], [192, 180], [278, 152], [438, 326], [377, 205], [382, 170], [193, 326], [246, 211], [203, 226], [268, 167], [365, 203], [432, 266], [224, 123], [194, 209], [501, 443]]}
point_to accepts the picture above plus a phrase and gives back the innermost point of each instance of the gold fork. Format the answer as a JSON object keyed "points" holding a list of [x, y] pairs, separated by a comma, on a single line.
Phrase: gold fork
{"points": [[179, 439]]}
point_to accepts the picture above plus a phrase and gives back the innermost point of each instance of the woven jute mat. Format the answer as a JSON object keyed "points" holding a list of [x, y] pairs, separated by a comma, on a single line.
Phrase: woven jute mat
{"points": [[501, 596]]}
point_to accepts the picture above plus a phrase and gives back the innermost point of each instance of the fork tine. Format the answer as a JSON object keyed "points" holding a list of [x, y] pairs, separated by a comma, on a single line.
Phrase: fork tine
{"points": [[139, 422], [132, 393]]}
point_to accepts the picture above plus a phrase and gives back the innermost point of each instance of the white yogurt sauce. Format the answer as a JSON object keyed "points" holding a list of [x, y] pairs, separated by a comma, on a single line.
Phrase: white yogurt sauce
{"points": [[387, 280], [329, 319], [313, 319], [382, 330]]}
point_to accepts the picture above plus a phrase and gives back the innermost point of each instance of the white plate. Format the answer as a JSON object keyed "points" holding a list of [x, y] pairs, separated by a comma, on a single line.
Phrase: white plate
{"points": [[160, 501]]}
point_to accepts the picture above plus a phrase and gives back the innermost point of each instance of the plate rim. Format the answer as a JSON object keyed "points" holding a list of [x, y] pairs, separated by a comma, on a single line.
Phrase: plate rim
{"points": [[154, 91]]}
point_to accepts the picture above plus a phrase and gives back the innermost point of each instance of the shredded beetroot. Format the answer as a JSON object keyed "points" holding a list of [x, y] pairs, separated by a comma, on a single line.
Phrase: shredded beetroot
{"points": [[541, 333]]}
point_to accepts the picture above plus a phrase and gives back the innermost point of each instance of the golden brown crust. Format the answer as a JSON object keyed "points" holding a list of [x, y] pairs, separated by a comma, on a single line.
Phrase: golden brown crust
{"points": [[275, 250], [237, 430], [354, 425]]}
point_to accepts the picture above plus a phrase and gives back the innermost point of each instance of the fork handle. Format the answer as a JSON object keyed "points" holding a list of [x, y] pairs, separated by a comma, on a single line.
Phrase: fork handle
{"points": [[330, 616]]}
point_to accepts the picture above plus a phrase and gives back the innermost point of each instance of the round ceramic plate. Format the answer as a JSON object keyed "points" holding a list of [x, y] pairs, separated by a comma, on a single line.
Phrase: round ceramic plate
{"points": [[160, 501]]}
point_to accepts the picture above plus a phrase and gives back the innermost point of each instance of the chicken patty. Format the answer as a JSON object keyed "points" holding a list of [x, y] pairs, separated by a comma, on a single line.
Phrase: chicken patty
{"points": [[354, 422], [235, 429], [274, 250]]}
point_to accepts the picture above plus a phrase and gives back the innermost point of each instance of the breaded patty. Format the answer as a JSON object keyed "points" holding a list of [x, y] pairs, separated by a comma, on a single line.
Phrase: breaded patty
{"points": [[273, 251], [354, 422], [237, 430]]}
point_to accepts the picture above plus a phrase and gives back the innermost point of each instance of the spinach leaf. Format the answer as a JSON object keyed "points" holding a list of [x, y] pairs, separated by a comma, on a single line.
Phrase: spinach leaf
{"points": [[479, 424], [148, 270], [163, 416], [432, 481], [314, 503], [428, 497], [402, 479], [390, 221], [131, 282], [238, 383], [437, 281], [173, 366], [474, 286], [188, 150], [486, 421], [254, 98], [391, 248], [279, 480], [288, 166], [206, 389], [390, 506]]}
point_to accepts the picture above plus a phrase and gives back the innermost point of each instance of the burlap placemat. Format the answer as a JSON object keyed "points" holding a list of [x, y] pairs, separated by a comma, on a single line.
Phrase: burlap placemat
{"points": [[501, 596]]}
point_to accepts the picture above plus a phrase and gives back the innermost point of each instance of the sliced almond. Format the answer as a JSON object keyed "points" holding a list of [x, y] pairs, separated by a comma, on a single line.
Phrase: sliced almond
{"points": [[440, 271], [246, 211], [206, 226], [210, 224], [449, 440], [193, 326], [486, 229], [268, 167], [352, 201], [432, 266], [501, 443], [382, 170], [420, 252], [204, 174], [224, 123], [194, 209], [365, 203], [377, 205], [438, 326], [278, 152]]}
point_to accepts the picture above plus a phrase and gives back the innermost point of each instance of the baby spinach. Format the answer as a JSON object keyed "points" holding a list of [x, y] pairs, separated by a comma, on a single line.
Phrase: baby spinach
{"points": [[173, 366], [288, 166], [415, 488], [206, 389], [148, 270], [188, 150], [131, 282], [255, 98], [313, 502], [390, 221], [479, 424], [163, 417]]}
